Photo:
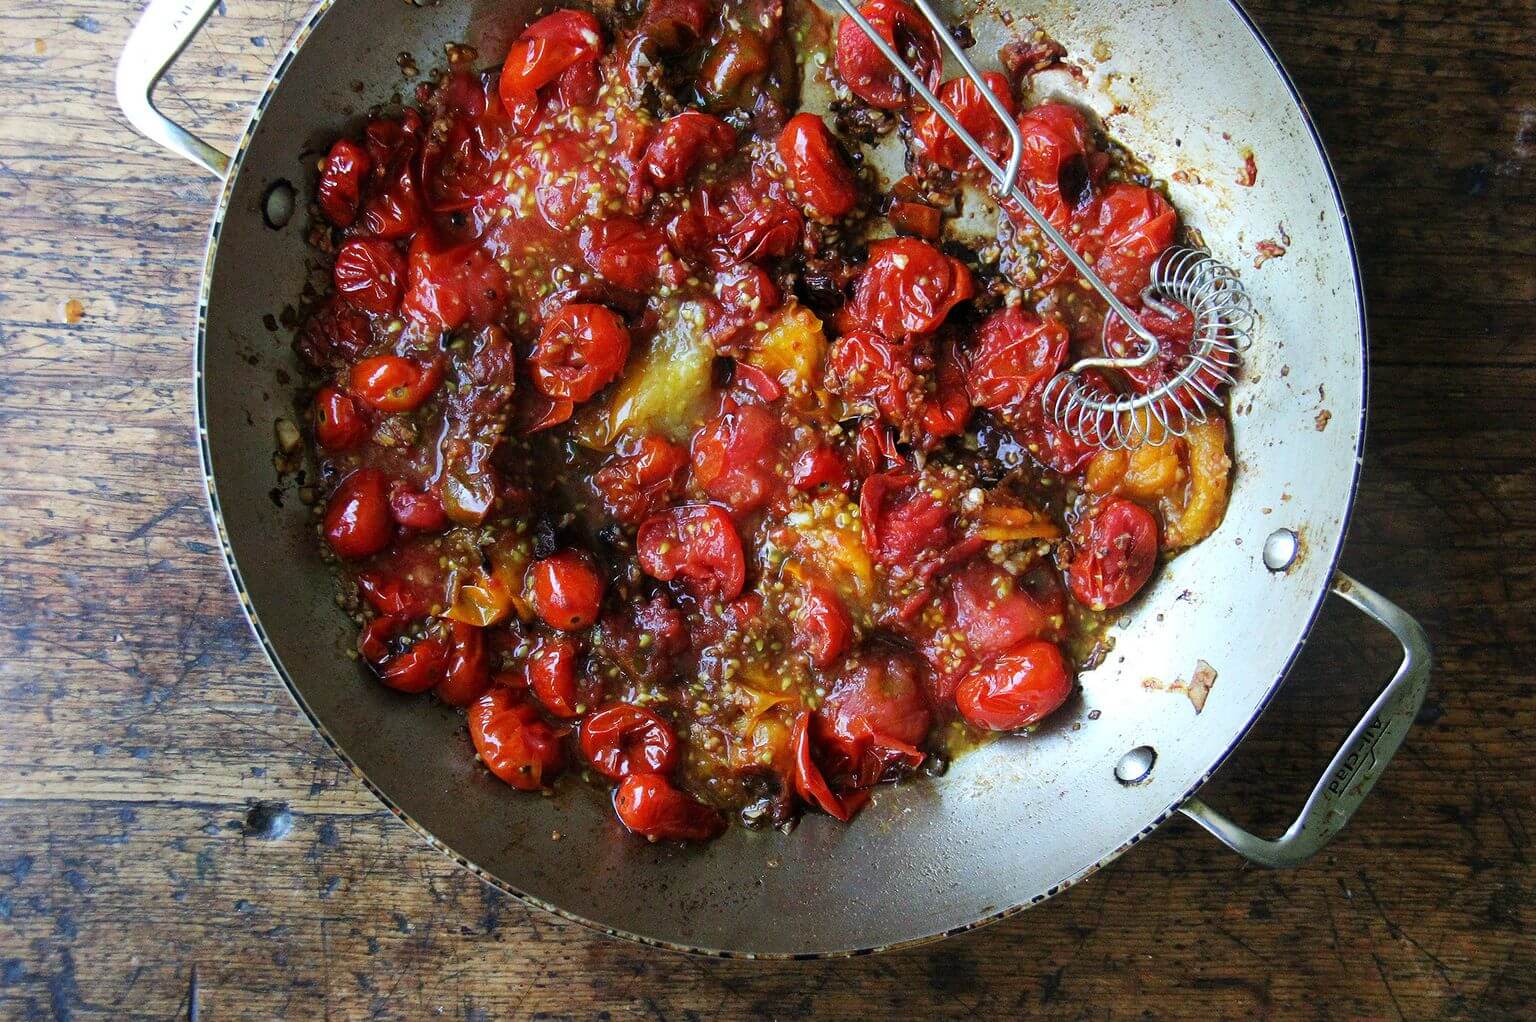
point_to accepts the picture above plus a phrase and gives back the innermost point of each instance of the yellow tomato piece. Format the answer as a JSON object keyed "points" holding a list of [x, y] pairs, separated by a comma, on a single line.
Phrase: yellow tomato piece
{"points": [[664, 390], [1210, 480], [791, 349], [1004, 524], [482, 603]]}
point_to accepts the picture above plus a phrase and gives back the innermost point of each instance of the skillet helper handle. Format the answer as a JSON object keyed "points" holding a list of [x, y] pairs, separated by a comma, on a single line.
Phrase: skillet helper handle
{"points": [[162, 32], [1361, 760]]}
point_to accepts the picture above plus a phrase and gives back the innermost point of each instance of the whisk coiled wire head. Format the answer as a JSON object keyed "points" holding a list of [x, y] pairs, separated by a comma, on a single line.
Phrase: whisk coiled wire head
{"points": [[1223, 323]]}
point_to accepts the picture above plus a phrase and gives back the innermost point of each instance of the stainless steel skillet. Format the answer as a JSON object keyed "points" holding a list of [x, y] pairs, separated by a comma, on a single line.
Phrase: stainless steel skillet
{"points": [[1009, 825]]}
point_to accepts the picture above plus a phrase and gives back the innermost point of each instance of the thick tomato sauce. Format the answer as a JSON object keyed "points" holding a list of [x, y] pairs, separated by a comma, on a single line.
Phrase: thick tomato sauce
{"points": [[654, 433]]}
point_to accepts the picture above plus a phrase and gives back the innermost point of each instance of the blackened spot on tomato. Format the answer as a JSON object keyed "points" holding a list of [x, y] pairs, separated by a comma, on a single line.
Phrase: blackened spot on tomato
{"points": [[1076, 188], [545, 541]]}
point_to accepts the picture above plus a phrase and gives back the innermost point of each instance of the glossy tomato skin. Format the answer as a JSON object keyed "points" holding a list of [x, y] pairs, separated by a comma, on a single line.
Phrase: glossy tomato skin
{"points": [[357, 521], [370, 274], [1013, 355], [907, 288], [567, 590], [683, 143], [697, 543], [901, 520], [810, 784], [868, 368], [545, 50], [735, 456], [962, 98], [1174, 333], [394, 384], [621, 739], [1132, 226], [1056, 166], [820, 176], [639, 478], [341, 182], [1018, 688], [625, 251], [513, 741], [1116, 557], [418, 510], [339, 424], [580, 351], [418, 668], [467, 672], [992, 610], [648, 805], [551, 676], [824, 629], [864, 69], [877, 697], [766, 231]]}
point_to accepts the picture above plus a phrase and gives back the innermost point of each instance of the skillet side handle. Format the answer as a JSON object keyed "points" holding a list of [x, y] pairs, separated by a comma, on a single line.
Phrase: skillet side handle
{"points": [[163, 31], [1361, 760]]}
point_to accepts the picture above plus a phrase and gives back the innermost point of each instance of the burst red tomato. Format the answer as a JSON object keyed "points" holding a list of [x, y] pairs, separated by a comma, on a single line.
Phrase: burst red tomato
{"points": [[391, 596], [420, 510], [933, 138], [811, 785], [1017, 689], [370, 274], [1132, 226], [991, 610], [696, 543], [394, 384], [735, 456], [418, 668], [871, 370], [567, 590], [879, 698], [622, 739], [581, 349], [624, 250], [907, 288], [447, 285], [546, 49], [864, 69], [1116, 556], [341, 182], [357, 521], [901, 520], [648, 805], [946, 407], [512, 740], [818, 466], [339, 425], [1174, 327], [638, 480], [1014, 354], [765, 231], [1057, 166], [684, 142], [820, 176], [824, 630], [551, 676], [467, 674]]}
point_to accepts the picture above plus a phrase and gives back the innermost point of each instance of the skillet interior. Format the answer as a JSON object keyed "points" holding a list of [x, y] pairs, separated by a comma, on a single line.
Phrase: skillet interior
{"points": [[1010, 824]]}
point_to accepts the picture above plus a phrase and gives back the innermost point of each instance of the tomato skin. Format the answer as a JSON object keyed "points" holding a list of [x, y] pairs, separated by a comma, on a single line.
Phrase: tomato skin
{"points": [[684, 142], [734, 456], [907, 288], [874, 717], [1131, 227], [551, 675], [946, 411], [825, 631], [818, 466], [391, 597], [339, 426], [1055, 447], [811, 785], [1116, 557], [1175, 333], [869, 368], [468, 672], [1014, 354], [421, 510], [394, 384], [648, 805], [546, 49], [965, 101], [901, 520], [697, 543], [1055, 167], [733, 62], [567, 590], [357, 522], [637, 480], [449, 284], [864, 69], [512, 740], [1017, 689], [370, 274], [992, 610], [624, 250], [581, 349], [341, 182], [765, 232], [821, 178], [621, 739], [418, 668]]}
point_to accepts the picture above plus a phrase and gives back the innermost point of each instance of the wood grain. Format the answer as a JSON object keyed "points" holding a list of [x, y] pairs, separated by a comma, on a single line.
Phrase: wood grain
{"points": [[166, 813]]}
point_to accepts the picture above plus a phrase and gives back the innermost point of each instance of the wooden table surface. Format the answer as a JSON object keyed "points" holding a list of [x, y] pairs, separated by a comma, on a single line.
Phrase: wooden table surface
{"points": [[165, 813]]}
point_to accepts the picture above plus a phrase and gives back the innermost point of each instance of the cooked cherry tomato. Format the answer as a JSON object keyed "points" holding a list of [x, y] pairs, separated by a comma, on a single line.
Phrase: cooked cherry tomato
{"points": [[449, 284], [418, 668], [370, 274], [1056, 447], [965, 101], [468, 672], [339, 426], [581, 349], [735, 456], [421, 510], [915, 218], [1017, 689], [512, 741], [624, 250], [697, 543], [639, 478], [1131, 228], [341, 182], [682, 143], [875, 715], [648, 805], [818, 466], [907, 288], [821, 178], [567, 590], [733, 63], [1174, 327], [946, 409], [390, 595], [395, 210], [864, 69], [992, 610], [824, 629], [870, 369], [394, 384], [1014, 354], [1116, 557], [357, 522], [551, 674], [809, 782], [333, 336], [901, 520], [1057, 167], [667, 26], [546, 48], [621, 739], [767, 230]]}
